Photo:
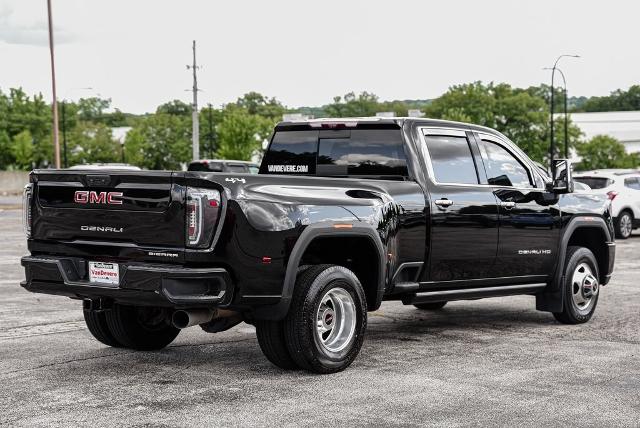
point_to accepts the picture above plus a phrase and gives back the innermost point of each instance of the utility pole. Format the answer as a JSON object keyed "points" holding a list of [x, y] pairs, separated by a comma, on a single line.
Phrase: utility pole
{"points": [[196, 125], [211, 148], [56, 140]]}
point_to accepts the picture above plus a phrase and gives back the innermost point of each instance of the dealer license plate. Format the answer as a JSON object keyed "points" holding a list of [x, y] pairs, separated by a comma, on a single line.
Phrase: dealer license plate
{"points": [[104, 273]]}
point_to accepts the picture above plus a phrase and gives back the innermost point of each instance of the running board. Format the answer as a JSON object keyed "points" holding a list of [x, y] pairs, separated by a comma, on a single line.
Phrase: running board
{"points": [[471, 293]]}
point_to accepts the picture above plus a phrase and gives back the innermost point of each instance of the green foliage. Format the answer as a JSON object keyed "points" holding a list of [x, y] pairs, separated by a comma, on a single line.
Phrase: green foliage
{"points": [[159, 141], [92, 109], [522, 115], [91, 142], [18, 113], [352, 105], [619, 100], [257, 104], [22, 150], [175, 108], [241, 134], [603, 151]]}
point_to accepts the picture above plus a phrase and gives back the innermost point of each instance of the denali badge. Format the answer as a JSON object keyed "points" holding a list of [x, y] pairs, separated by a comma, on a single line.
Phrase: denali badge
{"points": [[91, 197], [101, 229]]}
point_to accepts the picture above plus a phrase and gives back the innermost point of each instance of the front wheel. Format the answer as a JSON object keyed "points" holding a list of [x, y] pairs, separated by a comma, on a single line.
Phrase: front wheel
{"points": [[581, 287], [327, 319]]}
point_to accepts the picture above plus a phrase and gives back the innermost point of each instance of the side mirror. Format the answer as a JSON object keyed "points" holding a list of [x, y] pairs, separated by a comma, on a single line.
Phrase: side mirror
{"points": [[562, 179]]}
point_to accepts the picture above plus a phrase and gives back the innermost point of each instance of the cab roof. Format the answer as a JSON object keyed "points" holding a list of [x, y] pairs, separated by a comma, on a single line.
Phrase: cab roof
{"points": [[377, 122]]}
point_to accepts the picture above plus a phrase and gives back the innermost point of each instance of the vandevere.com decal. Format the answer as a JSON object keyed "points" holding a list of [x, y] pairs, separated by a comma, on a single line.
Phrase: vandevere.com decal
{"points": [[288, 168]]}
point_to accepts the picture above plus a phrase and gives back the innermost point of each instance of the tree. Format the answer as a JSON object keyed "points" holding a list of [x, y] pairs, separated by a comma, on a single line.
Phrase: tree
{"points": [[258, 104], [159, 141], [618, 100], [92, 143], [603, 151], [22, 150], [352, 105], [240, 134], [6, 151], [92, 109], [521, 114], [175, 108]]}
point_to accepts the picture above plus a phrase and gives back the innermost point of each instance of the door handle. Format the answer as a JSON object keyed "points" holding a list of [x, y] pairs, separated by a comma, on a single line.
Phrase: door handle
{"points": [[444, 202], [508, 205]]}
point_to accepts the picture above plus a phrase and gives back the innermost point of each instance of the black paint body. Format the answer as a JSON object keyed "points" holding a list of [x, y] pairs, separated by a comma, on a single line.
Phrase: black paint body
{"points": [[415, 244]]}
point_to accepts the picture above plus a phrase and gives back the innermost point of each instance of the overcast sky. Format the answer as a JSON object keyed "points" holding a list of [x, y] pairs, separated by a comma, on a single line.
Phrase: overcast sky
{"points": [[305, 53]]}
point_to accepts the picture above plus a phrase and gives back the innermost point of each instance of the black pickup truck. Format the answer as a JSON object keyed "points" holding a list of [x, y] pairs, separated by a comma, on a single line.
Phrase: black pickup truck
{"points": [[344, 213]]}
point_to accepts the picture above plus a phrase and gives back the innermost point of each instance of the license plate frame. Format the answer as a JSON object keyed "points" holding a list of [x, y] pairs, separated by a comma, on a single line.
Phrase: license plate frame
{"points": [[104, 273]]}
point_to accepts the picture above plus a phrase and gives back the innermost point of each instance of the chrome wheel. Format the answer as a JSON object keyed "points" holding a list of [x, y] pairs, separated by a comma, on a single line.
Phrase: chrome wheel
{"points": [[626, 225], [584, 287], [336, 320]]}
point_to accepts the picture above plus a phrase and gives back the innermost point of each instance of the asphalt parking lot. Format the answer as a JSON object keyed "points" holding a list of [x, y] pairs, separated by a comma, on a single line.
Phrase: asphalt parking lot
{"points": [[486, 362]]}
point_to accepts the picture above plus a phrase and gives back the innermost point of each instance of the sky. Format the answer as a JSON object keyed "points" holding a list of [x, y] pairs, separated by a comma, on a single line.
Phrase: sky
{"points": [[305, 53]]}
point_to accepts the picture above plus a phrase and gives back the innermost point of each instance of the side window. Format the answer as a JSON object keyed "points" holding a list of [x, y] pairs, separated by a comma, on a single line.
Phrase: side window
{"points": [[503, 169], [632, 183], [451, 159]]}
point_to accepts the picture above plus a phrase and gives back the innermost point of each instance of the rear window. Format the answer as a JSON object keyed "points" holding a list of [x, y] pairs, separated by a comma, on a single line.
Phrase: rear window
{"points": [[595, 182], [357, 152], [237, 168]]}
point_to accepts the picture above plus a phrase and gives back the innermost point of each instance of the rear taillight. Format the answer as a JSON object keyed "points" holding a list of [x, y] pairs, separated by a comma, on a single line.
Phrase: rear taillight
{"points": [[26, 210], [203, 210], [612, 195]]}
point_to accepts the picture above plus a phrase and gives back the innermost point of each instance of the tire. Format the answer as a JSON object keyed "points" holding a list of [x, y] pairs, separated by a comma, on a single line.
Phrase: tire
{"points": [[271, 338], [430, 306], [333, 295], [580, 261], [624, 225], [141, 328], [97, 325]]}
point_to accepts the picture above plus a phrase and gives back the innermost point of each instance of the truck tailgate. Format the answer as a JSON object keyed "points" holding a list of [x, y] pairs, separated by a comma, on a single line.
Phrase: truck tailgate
{"points": [[137, 207]]}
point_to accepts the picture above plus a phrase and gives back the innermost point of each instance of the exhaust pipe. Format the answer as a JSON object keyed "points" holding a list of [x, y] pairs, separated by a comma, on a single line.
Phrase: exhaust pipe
{"points": [[187, 318]]}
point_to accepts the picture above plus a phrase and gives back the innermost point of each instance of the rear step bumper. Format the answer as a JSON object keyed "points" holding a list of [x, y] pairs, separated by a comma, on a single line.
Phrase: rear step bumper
{"points": [[140, 284]]}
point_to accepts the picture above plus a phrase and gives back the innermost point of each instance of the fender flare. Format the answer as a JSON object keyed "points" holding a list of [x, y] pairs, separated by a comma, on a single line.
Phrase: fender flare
{"points": [[552, 299], [323, 230]]}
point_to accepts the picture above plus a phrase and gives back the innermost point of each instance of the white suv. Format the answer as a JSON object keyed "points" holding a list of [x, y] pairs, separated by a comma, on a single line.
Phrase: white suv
{"points": [[623, 189]]}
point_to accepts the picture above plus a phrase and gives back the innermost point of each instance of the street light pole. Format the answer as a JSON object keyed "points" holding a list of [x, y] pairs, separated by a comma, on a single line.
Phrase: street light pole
{"points": [[552, 142], [56, 139], [566, 115]]}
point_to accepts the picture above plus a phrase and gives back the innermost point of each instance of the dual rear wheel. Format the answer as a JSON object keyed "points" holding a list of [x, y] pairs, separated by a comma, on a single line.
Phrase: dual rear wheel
{"points": [[135, 327], [324, 329]]}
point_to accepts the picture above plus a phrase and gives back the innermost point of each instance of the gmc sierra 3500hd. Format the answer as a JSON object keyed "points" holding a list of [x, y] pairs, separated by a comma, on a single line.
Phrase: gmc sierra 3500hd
{"points": [[344, 213]]}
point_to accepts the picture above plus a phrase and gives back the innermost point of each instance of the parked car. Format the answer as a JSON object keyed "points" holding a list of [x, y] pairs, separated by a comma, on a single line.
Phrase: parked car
{"points": [[219, 165], [344, 213], [622, 187]]}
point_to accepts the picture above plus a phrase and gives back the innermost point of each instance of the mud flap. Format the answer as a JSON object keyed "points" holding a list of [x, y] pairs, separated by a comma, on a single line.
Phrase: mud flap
{"points": [[552, 299]]}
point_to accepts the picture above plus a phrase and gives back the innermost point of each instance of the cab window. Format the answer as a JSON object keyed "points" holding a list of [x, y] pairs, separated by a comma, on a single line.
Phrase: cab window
{"points": [[503, 169], [451, 159]]}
